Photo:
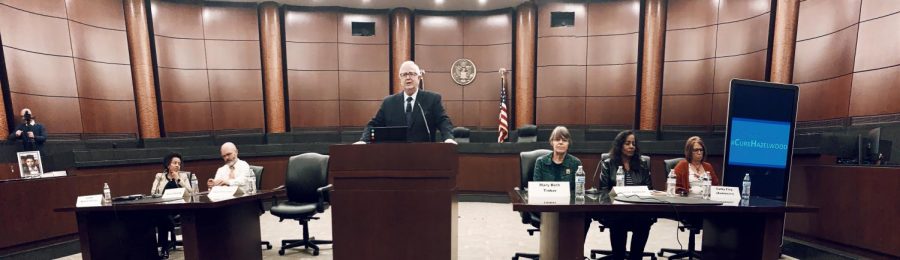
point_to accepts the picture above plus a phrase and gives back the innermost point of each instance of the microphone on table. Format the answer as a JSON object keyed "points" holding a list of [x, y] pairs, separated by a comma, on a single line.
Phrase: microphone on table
{"points": [[594, 190]]}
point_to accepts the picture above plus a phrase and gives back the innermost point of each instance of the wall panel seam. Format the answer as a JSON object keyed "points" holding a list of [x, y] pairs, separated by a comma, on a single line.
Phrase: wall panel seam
{"points": [[23, 10], [348, 43], [74, 71], [879, 17], [96, 26], [36, 52], [178, 38], [830, 33], [464, 45], [873, 69], [78, 97], [825, 79], [742, 54], [745, 19]]}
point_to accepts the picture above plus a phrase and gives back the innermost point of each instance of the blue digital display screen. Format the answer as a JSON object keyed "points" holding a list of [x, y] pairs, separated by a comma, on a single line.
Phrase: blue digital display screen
{"points": [[759, 143]]}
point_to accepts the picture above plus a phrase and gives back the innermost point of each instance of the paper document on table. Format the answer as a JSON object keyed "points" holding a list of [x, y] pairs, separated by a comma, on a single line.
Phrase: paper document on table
{"points": [[219, 193]]}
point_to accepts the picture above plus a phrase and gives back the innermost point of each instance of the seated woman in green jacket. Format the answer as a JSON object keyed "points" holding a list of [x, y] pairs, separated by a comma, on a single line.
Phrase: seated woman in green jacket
{"points": [[558, 165]]}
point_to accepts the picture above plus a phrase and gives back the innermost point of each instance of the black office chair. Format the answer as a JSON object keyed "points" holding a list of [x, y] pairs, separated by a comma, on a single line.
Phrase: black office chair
{"points": [[608, 253], [527, 134], [258, 171], [307, 188], [460, 134], [526, 168], [692, 225]]}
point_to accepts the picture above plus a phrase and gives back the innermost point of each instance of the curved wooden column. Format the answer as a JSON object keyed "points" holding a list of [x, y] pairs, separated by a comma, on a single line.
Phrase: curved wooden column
{"points": [[525, 64], [273, 71], [652, 63], [401, 42], [784, 41], [142, 67]]}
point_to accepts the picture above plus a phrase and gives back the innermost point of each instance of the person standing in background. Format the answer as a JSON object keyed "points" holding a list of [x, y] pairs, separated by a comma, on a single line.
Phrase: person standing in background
{"points": [[32, 134]]}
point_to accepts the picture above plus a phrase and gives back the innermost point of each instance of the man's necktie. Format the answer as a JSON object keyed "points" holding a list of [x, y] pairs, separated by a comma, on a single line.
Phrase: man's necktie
{"points": [[409, 109], [231, 172]]}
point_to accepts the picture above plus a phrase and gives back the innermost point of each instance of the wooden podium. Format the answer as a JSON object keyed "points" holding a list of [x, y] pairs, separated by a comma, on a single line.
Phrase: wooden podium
{"points": [[394, 201]]}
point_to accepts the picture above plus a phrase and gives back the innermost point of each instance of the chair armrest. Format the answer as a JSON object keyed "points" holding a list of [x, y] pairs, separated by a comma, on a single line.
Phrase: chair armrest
{"points": [[323, 197]]}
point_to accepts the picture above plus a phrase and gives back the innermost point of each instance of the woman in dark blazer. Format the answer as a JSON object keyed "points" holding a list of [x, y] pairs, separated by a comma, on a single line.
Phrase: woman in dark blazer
{"points": [[626, 153]]}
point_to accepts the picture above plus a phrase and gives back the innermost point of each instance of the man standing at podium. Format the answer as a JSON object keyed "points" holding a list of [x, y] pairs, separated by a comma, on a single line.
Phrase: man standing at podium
{"points": [[416, 108]]}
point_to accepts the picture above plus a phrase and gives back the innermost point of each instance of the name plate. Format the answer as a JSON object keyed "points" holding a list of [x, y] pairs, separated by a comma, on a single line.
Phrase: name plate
{"points": [[174, 193], [224, 192], [725, 194], [640, 191], [89, 201], [548, 189], [53, 174]]}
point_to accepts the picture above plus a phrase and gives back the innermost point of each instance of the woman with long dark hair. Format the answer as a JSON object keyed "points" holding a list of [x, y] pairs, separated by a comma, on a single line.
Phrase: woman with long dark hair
{"points": [[626, 154]]}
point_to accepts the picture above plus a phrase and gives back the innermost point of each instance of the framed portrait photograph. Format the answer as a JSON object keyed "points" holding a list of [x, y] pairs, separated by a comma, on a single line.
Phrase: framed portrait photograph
{"points": [[30, 164]]}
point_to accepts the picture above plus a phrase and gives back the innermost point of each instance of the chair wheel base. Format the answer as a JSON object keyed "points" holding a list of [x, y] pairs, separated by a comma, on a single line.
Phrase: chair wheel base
{"points": [[281, 252]]}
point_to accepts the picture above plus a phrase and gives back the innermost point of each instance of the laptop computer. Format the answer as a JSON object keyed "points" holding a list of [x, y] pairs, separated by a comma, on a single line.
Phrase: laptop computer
{"points": [[388, 134]]}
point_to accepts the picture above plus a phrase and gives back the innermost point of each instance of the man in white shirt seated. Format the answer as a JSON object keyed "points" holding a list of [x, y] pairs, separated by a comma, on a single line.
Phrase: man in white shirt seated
{"points": [[235, 170]]}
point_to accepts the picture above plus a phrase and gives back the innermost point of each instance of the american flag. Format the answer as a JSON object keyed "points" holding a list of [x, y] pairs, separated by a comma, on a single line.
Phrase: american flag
{"points": [[503, 128]]}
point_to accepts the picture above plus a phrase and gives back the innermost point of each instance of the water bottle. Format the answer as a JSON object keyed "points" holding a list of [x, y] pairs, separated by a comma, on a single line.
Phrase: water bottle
{"points": [[745, 192], [670, 184], [579, 182], [707, 184], [107, 197], [251, 182], [620, 177], [195, 188]]}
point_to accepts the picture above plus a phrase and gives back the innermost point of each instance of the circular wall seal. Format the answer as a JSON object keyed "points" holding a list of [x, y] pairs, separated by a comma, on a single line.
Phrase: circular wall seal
{"points": [[463, 72]]}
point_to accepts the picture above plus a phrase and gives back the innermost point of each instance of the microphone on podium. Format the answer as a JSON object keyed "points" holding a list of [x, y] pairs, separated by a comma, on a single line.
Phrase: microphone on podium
{"points": [[422, 79]]}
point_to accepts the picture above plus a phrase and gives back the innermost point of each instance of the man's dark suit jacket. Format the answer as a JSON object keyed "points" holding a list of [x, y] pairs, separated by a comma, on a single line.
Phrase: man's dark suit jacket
{"points": [[40, 136], [391, 114]]}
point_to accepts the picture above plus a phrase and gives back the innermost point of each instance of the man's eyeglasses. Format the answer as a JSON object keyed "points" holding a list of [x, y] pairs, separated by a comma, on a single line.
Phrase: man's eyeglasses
{"points": [[409, 74]]}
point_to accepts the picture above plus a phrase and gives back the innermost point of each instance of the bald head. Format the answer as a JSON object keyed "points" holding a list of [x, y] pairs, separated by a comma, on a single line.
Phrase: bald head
{"points": [[409, 77], [229, 153]]}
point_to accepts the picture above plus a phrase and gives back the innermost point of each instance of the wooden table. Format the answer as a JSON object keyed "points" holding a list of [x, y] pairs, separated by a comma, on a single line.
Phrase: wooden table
{"points": [[211, 229], [750, 230]]}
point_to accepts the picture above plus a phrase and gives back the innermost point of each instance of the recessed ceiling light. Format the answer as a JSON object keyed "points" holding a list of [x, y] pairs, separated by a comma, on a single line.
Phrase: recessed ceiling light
{"points": [[482, 2], [439, 2]]}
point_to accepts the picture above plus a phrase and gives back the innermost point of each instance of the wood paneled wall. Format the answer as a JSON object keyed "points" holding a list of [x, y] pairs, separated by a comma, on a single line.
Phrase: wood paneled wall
{"points": [[876, 69], [486, 40], [587, 73], [335, 79], [209, 67], [68, 61], [847, 61], [707, 44]]}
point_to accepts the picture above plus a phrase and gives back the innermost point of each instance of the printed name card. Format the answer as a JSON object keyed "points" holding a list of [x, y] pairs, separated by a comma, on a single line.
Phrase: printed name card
{"points": [[223, 192], [640, 191], [89, 201], [53, 174], [174, 193], [725, 194], [548, 192]]}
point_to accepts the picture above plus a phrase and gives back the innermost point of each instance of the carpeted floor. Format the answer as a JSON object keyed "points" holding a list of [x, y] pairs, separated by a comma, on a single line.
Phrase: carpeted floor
{"points": [[486, 231]]}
